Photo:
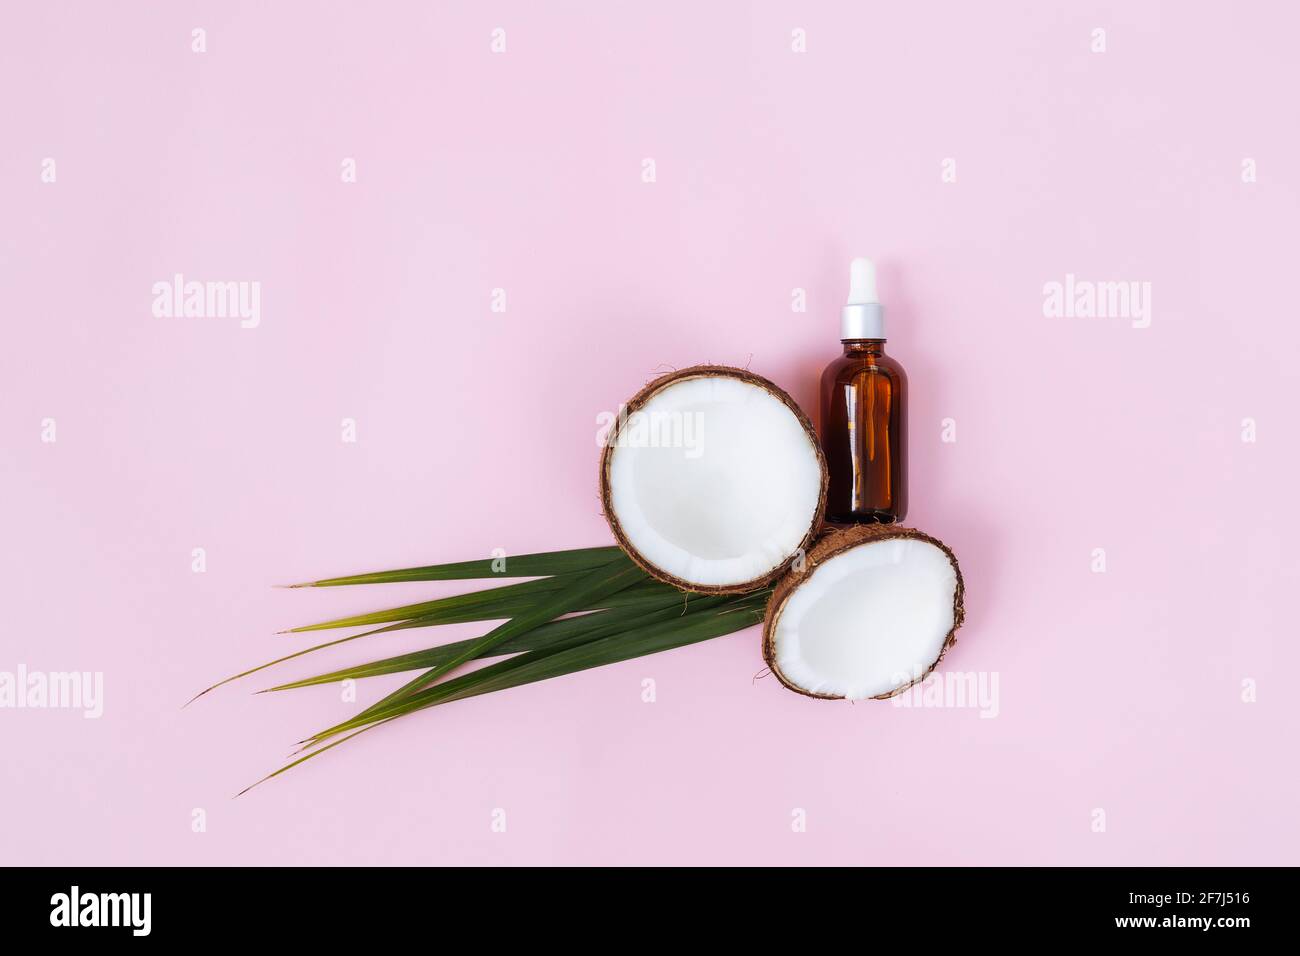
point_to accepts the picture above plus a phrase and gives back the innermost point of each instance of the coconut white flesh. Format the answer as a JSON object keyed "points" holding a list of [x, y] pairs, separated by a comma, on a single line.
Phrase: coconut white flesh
{"points": [[868, 620], [717, 484]]}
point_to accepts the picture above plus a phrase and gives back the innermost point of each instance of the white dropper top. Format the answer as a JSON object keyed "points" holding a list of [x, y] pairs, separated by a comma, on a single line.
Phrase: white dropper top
{"points": [[863, 317]]}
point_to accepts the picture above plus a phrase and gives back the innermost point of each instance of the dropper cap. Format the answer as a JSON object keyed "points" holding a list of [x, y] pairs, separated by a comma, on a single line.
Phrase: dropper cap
{"points": [[863, 317]]}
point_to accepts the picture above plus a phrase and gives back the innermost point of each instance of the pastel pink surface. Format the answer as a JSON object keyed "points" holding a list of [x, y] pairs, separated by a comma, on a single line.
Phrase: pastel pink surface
{"points": [[1119, 691]]}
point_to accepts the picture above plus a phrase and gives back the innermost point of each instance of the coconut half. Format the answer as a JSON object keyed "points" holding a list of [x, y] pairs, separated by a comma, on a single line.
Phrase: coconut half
{"points": [[712, 479], [871, 614]]}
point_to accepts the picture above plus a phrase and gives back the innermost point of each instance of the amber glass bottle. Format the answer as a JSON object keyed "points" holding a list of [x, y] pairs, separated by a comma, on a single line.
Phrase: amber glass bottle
{"points": [[864, 435], [863, 423]]}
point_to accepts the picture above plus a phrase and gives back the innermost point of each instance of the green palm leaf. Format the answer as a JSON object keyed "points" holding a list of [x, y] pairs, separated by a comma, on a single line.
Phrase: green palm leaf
{"points": [[522, 566], [485, 600], [730, 615], [591, 587], [549, 635]]}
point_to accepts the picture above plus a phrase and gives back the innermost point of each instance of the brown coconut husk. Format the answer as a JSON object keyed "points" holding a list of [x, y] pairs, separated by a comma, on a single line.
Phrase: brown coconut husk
{"points": [[635, 404], [835, 542]]}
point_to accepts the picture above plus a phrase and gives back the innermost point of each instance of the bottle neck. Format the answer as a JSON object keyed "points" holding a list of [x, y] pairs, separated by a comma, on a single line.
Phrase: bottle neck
{"points": [[863, 346]]}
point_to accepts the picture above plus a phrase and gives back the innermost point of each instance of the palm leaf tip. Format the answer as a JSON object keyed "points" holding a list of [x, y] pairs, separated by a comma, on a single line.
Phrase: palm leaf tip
{"points": [[314, 753], [198, 695]]}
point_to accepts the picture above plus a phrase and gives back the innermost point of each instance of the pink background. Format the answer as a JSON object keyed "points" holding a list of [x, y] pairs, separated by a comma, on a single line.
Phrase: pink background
{"points": [[1119, 690]]}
